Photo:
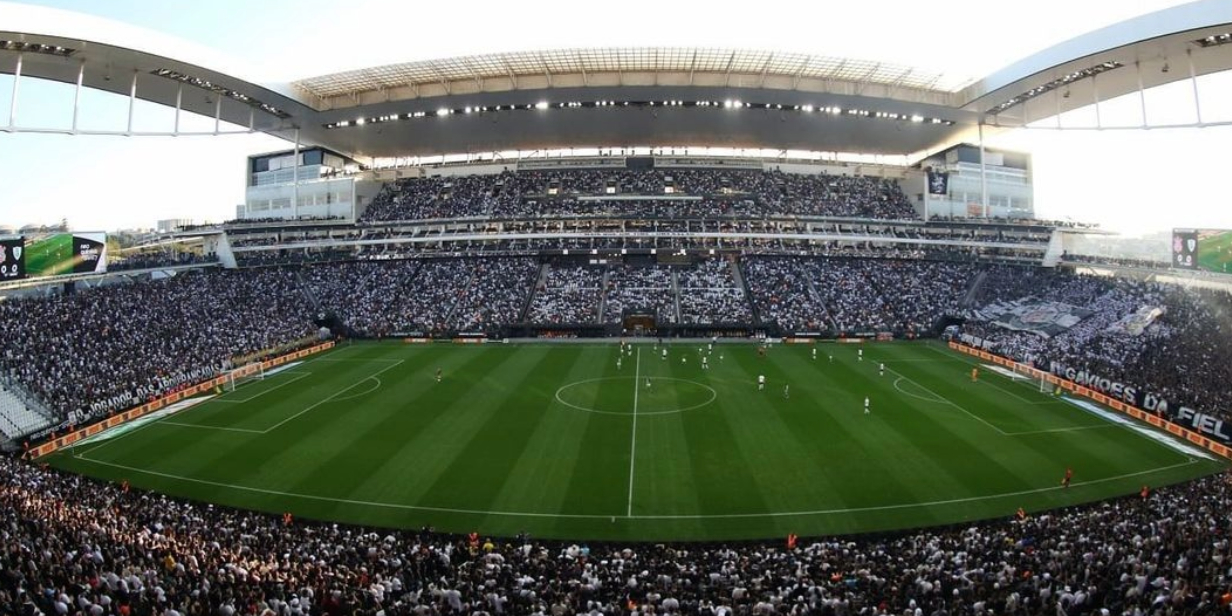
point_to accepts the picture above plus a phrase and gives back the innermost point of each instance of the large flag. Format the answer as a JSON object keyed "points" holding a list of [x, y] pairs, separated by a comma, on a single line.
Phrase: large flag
{"points": [[938, 182], [1137, 321], [1044, 318]]}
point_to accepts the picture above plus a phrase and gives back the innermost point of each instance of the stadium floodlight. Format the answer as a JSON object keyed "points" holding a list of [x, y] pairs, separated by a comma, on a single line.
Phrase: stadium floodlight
{"points": [[1215, 40], [808, 109], [727, 103], [359, 122], [467, 110], [442, 112], [917, 118], [541, 105]]}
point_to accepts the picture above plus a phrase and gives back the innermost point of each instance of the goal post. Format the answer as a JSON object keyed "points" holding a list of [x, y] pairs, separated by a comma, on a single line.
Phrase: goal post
{"points": [[1035, 375], [244, 374]]}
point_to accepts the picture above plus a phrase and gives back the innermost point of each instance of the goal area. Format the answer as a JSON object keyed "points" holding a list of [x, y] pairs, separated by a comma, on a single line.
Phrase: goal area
{"points": [[1034, 375], [244, 374]]}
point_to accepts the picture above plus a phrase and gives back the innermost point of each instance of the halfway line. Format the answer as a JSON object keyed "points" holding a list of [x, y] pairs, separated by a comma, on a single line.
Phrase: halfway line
{"points": [[637, 365]]}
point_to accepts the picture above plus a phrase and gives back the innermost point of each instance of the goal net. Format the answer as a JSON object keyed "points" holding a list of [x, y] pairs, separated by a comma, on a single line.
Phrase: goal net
{"points": [[1033, 375], [244, 374]]}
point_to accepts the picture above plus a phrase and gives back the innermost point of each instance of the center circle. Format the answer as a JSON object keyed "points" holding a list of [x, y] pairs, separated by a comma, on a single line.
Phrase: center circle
{"points": [[652, 395]]}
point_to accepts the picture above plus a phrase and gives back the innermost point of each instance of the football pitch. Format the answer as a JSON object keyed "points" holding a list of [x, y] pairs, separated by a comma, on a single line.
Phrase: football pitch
{"points": [[559, 441], [1215, 251]]}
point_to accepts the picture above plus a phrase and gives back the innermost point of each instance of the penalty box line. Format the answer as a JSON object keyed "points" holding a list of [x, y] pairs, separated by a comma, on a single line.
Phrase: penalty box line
{"points": [[335, 395], [298, 375], [940, 399], [330, 398], [166, 420], [1021, 383]]}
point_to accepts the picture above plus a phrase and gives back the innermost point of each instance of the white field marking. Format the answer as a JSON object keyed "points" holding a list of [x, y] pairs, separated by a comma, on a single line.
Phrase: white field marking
{"points": [[362, 393], [714, 395], [331, 397], [1028, 383], [530, 514], [161, 420], [298, 376], [1073, 429], [987, 381], [121, 436], [637, 383], [942, 399], [916, 396], [209, 427]]}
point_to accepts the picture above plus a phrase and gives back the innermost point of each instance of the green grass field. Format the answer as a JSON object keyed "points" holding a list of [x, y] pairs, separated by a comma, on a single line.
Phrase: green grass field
{"points": [[557, 441], [1215, 251], [50, 256]]}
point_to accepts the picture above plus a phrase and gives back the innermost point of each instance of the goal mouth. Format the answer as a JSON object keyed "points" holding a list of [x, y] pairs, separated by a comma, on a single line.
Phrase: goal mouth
{"points": [[244, 374], [1022, 374]]}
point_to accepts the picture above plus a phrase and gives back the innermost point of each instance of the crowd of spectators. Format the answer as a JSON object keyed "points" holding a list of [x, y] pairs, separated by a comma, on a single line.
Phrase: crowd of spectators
{"points": [[497, 294], [111, 347], [76, 546], [150, 260], [845, 295], [722, 192], [569, 294], [401, 297], [646, 288], [368, 297], [108, 348], [1183, 356], [709, 293]]}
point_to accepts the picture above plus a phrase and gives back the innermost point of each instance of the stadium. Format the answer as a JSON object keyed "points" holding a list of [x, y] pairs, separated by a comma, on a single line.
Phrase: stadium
{"points": [[616, 330]]}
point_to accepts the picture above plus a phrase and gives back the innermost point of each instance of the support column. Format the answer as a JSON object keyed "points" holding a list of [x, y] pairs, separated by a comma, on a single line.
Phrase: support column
{"points": [[13, 99], [179, 104], [132, 102], [983, 173], [295, 180], [1193, 79], [81, 73], [217, 113], [1099, 124], [1141, 94]]}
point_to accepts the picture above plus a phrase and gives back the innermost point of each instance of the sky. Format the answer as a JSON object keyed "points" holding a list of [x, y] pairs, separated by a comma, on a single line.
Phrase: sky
{"points": [[1133, 181]]}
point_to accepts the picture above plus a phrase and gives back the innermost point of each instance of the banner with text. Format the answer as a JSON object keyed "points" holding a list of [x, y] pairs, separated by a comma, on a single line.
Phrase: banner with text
{"points": [[1208, 425], [1198, 428]]}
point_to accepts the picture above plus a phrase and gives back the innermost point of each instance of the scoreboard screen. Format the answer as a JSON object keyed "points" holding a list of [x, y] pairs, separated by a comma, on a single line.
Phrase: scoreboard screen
{"points": [[1185, 248], [12, 259], [67, 253], [1202, 249]]}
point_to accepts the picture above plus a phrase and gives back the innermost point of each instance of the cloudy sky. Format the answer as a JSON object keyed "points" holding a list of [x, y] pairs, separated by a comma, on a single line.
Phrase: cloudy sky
{"points": [[1129, 180]]}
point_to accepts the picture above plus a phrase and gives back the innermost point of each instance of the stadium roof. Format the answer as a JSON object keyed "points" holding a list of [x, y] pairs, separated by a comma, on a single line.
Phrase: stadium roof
{"points": [[693, 66], [621, 96]]}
